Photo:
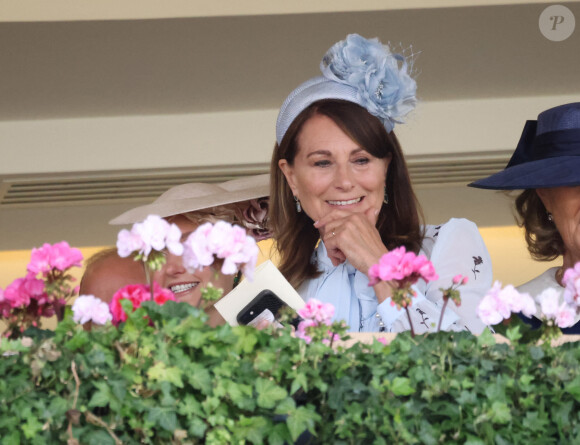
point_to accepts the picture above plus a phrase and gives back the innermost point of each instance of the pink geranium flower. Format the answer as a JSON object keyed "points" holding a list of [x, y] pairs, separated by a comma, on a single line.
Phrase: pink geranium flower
{"points": [[498, 304], [89, 308], [317, 311], [403, 267], [223, 241], [460, 279], [21, 291], [60, 256], [162, 295], [565, 316], [154, 233], [4, 305], [571, 281], [301, 331], [197, 253], [137, 294], [314, 314], [549, 302]]}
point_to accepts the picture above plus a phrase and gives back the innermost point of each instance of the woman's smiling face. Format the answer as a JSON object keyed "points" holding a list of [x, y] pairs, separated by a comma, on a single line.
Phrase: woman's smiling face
{"points": [[564, 205], [185, 285], [331, 171]]}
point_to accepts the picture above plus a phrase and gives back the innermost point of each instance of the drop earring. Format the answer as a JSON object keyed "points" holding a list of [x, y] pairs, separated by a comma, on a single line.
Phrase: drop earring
{"points": [[550, 218], [298, 206], [386, 197]]}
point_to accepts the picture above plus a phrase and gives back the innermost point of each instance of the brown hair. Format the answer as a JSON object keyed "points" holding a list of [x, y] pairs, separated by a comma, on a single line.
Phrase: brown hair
{"points": [[399, 222], [542, 236]]}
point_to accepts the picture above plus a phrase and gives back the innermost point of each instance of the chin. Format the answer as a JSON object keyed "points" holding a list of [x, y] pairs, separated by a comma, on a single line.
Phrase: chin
{"points": [[192, 299]]}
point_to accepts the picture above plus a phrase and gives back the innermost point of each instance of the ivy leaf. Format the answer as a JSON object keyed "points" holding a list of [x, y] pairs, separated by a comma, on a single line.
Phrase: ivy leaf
{"points": [[279, 435], [161, 373], [80, 339], [300, 381], [269, 394], [500, 412], [285, 406], [573, 388], [240, 394], [12, 439], [525, 381], [537, 353], [197, 427], [31, 427], [534, 422], [265, 361], [247, 339], [513, 334], [164, 417], [467, 398], [401, 386], [253, 429], [102, 396], [199, 377], [57, 407], [98, 437], [474, 441], [301, 420], [486, 339]]}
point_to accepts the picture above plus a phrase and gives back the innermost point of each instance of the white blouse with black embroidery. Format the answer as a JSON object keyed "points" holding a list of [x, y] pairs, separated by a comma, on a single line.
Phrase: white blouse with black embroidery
{"points": [[454, 248]]}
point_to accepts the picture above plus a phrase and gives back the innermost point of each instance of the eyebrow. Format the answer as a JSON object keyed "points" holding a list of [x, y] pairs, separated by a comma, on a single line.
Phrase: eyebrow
{"points": [[327, 153]]}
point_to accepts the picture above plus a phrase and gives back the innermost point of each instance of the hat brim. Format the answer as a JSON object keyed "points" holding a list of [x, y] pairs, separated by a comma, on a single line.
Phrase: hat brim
{"points": [[563, 171], [229, 192]]}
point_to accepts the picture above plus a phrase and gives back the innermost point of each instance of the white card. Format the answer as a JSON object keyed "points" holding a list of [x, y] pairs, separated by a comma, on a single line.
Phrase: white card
{"points": [[266, 276]]}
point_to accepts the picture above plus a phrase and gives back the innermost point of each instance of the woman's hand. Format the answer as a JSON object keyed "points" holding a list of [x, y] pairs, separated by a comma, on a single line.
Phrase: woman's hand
{"points": [[353, 237]]}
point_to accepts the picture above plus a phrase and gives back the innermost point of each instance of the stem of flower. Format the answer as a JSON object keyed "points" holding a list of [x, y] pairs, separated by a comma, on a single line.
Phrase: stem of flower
{"points": [[331, 338], [445, 300], [410, 323], [69, 430], [149, 273]]}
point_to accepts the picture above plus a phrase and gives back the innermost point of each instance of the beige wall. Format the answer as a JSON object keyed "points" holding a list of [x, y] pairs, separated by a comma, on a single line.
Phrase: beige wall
{"points": [[141, 142], [40, 10]]}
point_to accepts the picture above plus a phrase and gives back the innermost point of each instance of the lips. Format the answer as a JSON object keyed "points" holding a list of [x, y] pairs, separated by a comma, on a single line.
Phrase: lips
{"points": [[346, 202], [182, 287]]}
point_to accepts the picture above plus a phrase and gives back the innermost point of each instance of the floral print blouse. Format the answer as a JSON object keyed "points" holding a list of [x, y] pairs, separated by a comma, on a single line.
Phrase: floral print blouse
{"points": [[455, 247]]}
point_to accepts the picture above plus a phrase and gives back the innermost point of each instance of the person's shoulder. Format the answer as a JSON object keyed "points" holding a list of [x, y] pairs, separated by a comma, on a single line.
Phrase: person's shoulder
{"points": [[455, 227], [453, 224], [457, 235], [538, 284]]}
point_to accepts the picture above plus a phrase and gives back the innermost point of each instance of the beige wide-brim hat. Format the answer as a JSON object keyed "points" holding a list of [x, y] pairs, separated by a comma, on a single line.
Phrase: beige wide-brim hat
{"points": [[197, 196]]}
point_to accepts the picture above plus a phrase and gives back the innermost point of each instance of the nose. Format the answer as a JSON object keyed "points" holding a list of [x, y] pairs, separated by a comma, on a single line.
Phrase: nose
{"points": [[174, 265], [343, 178]]}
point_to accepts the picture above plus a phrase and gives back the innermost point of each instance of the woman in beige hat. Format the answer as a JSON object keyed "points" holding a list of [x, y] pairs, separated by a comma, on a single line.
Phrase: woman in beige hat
{"points": [[240, 201]]}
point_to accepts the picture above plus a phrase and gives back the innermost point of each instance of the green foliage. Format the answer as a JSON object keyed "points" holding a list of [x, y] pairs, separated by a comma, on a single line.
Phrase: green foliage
{"points": [[164, 377]]}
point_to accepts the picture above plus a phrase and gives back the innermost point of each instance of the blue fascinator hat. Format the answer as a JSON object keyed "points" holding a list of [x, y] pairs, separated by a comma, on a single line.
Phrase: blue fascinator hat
{"points": [[547, 155], [359, 70]]}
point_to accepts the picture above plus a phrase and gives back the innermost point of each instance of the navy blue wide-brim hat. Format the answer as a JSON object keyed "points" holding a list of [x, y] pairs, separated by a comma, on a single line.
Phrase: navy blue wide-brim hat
{"points": [[547, 155]]}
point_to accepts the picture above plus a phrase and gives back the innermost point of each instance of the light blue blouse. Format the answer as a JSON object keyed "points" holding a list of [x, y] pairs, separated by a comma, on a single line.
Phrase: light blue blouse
{"points": [[455, 247]]}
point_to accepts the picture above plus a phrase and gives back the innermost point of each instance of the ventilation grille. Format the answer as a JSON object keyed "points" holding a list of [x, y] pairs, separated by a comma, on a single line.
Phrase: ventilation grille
{"points": [[456, 169], [111, 187], [146, 185]]}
